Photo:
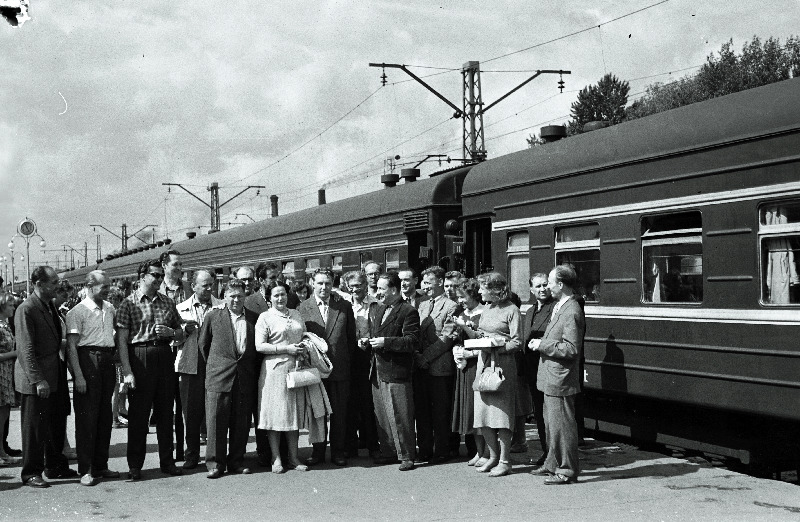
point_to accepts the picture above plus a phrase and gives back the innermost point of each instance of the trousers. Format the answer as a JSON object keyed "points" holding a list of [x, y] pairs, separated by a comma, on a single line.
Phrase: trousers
{"points": [[562, 435], [93, 417], [394, 411]]}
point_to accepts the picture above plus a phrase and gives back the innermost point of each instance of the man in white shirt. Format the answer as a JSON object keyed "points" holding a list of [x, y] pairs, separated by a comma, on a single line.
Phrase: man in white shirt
{"points": [[91, 349], [190, 365]]}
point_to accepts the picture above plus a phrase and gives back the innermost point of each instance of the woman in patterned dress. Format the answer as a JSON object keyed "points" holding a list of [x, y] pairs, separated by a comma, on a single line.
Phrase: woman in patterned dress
{"points": [[279, 331], [495, 411], [8, 355], [468, 293]]}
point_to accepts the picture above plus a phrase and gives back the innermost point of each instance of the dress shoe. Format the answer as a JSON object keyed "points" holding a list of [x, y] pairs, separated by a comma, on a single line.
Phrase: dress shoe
{"points": [[422, 458], [501, 470], [172, 469], [60, 473], [519, 448], [474, 460], [12, 452], [339, 460], [558, 479], [190, 463], [241, 471], [214, 473], [406, 465], [88, 480], [540, 460], [277, 469], [36, 482], [383, 461], [541, 470], [313, 460], [106, 474], [490, 464], [298, 467], [134, 474]]}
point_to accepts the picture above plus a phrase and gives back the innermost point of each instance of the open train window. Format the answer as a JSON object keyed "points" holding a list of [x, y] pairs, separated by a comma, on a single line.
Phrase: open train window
{"points": [[311, 265], [288, 269], [779, 240], [392, 258], [579, 245], [519, 264], [336, 264], [672, 258]]}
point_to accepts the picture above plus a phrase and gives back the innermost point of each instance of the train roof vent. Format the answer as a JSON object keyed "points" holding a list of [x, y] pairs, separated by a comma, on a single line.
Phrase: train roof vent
{"points": [[415, 221]]}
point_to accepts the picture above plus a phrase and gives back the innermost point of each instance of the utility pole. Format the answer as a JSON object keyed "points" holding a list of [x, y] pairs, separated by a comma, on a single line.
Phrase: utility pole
{"points": [[215, 205], [472, 110], [124, 237]]}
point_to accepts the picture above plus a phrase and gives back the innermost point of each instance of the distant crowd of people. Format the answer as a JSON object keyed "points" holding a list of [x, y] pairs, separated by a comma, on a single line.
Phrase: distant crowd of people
{"points": [[401, 364]]}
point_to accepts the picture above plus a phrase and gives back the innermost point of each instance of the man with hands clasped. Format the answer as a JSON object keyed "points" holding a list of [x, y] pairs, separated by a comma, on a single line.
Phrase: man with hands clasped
{"points": [[558, 377]]}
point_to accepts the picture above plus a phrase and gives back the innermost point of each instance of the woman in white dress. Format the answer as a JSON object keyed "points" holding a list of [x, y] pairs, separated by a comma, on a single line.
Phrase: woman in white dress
{"points": [[279, 331]]}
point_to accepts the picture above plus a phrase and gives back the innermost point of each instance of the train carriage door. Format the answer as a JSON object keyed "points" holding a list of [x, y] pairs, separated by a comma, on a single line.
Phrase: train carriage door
{"points": [[478, 234]]}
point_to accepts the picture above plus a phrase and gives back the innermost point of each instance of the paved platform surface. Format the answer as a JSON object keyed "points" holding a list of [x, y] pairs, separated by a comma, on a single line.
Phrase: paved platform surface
{"points": [[619, 482]]}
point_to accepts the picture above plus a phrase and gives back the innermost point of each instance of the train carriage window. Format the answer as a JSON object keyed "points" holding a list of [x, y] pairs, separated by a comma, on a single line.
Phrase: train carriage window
{"points": [[336, 262], [288, 269], [779, 240], [579, 245], [364, 258], [311, 265], [519, 264], [672, 258], [392, 259]]}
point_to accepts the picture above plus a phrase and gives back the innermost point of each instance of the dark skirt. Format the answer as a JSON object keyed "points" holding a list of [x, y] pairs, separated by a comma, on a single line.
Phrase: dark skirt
{"points": [[464, 399]]}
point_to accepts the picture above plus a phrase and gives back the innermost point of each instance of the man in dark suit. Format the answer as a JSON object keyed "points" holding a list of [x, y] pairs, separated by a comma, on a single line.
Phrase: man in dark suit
{"points": [[191, 365], [434, 377], [408, 287], [394, 337], [539, 316], [227, 341], [331, 318], [36, 374], [559, 377]]}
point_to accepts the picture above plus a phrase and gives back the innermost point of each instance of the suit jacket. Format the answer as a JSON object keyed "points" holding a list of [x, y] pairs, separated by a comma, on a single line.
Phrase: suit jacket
{"points": [[190, 356], [223, 362], [338, 329], [254, 305], [528, 362], [437, 335], [38, 336], [416, 300], [561, 350], [395, 361]]}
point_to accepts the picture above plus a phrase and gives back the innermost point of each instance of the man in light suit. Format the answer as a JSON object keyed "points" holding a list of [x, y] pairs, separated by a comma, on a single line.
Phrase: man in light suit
{"points": [[331, 318], [36, 374], [560, 349], [434, 378], [227, 341], [190, 365], [394, 337]]}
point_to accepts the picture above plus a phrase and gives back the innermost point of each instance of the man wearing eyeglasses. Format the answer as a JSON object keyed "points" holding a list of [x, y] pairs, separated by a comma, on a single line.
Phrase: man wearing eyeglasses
{"points": [[147, 322]]}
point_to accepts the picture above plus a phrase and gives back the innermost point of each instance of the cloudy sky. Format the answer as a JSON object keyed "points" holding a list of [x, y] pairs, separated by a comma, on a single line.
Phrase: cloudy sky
{"points": [[103, 101]]}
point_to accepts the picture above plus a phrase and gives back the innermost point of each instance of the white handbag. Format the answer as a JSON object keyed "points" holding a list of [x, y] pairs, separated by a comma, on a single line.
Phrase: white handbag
{"points": [[302, 377]]}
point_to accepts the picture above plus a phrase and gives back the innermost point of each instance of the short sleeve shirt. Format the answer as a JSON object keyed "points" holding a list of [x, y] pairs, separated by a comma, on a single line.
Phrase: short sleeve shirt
{"points": [[94, 325], [140, 314]]}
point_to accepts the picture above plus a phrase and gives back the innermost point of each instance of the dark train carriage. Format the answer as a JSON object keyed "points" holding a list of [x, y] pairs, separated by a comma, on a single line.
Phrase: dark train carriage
{"points": [[397, 227], [684, 228]]}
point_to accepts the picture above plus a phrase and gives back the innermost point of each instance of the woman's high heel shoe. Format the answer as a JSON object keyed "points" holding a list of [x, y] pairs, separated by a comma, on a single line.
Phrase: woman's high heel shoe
{"points": [[474, 460], [488, 466]]}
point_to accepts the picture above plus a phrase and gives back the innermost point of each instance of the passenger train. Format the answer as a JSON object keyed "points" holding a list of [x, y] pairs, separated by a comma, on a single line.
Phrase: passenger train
{"points": [[684, 228]]}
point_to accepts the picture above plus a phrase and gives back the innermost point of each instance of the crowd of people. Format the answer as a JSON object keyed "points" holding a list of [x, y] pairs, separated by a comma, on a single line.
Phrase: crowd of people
{"points": [[401, 364]]}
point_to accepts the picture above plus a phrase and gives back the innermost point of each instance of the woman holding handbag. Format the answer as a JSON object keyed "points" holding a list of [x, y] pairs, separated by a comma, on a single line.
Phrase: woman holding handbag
{"points": [[495, 411], [279, 332]]}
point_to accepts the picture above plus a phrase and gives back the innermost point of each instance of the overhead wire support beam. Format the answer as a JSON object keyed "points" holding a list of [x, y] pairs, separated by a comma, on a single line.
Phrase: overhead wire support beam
{"points": [[458, 114], [521, 85], [215, 205]]}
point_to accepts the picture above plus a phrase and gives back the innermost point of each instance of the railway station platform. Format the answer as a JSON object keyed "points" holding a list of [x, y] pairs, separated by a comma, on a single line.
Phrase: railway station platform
{"points": [[618, 482]]}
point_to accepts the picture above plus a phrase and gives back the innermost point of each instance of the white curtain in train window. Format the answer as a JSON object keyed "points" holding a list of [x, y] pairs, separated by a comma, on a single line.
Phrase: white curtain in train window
{"points": [[781, 268]]}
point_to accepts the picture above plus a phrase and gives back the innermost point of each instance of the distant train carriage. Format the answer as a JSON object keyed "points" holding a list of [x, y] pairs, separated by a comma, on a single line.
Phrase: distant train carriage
{"points": [[413, 224], [684, 228]]}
